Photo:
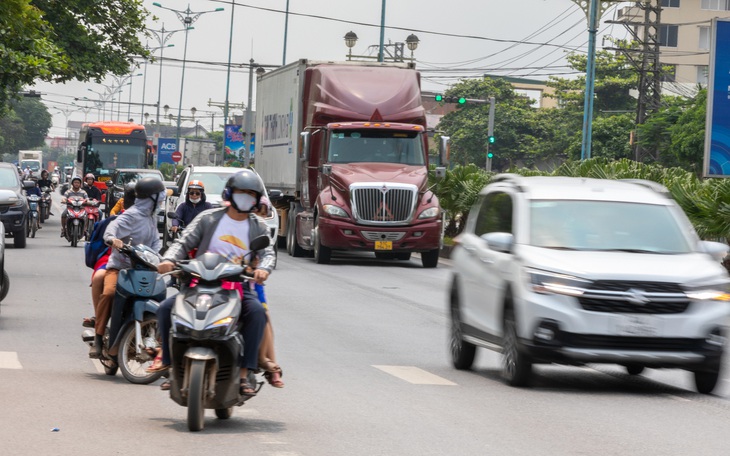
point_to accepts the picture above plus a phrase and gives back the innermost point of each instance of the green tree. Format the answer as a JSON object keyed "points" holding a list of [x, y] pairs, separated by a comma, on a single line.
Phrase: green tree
{"points": [[59, 41]]}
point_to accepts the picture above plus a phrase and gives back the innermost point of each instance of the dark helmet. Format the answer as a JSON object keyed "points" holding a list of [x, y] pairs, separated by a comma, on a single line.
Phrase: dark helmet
{"points": [[243, 180], [148, 187], [129, 196]]}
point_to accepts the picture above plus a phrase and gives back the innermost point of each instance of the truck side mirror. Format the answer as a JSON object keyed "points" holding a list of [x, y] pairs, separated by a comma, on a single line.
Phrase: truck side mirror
{"points": [[150, 157], [80, 152], [444, 150], [304, 137]]}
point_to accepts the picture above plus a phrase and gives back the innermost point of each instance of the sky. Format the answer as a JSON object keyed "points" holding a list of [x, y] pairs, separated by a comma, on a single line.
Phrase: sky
{"points": [[457, 39]]}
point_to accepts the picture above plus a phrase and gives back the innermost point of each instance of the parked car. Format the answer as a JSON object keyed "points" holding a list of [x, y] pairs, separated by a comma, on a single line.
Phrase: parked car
{"points": [[214, 178], [4, 278], [574, 270], [13, 204], [121, 177]]}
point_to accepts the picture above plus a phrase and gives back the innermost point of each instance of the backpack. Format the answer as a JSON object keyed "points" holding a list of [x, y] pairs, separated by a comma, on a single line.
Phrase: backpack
{"points": [[95, 248]]}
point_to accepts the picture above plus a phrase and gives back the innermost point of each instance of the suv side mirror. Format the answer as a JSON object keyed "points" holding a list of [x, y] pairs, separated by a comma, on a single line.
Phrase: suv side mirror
{"points": [[716, 250], [500, 242]]}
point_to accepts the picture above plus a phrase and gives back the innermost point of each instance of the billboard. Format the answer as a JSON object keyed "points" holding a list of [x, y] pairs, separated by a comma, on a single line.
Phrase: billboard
{"points": [[717, 124], [233, 142], [165, 148]]}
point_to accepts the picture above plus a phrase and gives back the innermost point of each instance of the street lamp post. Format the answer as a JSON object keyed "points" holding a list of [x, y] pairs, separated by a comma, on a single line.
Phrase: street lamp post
{"points": [[129, 102], [395, 56], [382, 32], [144, 80], [187, 17], [161, 36], [247, 139]]}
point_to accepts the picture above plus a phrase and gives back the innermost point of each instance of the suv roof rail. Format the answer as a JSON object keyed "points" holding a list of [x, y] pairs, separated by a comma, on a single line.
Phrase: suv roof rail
{"points": [[510, 178], [651, 185]]}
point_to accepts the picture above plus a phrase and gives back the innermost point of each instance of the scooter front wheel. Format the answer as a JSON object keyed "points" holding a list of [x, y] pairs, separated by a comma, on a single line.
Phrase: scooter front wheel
{"points": [[133, 360], [196, 412]]}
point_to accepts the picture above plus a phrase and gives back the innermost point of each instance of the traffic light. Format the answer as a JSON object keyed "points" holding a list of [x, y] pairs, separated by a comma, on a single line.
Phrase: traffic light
{"points": [[490, 155], [438, 97], [491, 139]]}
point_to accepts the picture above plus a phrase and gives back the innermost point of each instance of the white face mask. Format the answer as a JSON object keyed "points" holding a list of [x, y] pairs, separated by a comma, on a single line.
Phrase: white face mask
{"points": [[244, 201], [195, 200], [161, 199]]}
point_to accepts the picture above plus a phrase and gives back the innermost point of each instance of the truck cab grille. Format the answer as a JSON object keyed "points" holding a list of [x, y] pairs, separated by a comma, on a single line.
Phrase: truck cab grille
{"points": [[383, 203]]}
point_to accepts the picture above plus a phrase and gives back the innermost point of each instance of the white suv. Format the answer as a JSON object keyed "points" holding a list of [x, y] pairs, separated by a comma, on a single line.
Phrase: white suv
{"points": [[574, 271]]}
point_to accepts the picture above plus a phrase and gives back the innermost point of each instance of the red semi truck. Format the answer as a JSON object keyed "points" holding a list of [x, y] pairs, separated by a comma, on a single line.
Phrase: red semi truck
{"points": [[346, 144]]}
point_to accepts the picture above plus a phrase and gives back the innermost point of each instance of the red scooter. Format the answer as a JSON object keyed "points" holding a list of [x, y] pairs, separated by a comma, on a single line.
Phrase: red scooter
{"points": [[76, 219], [93, 215]]}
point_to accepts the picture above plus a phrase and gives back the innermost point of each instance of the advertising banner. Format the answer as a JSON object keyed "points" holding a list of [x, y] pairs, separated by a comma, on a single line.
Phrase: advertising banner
{"points": [[165, 148], [234, 142], [717, 126]]}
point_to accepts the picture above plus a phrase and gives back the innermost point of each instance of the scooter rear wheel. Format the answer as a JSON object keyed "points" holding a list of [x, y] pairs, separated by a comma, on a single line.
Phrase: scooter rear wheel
{"points": [[224, 413]]}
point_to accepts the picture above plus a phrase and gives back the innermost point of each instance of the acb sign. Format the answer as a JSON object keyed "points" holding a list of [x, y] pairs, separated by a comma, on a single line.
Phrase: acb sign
{"points": [[165, 148]]}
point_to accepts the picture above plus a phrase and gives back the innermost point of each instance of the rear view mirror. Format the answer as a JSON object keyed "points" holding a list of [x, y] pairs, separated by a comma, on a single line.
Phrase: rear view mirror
{"points": [[444, 150], [500, 242], [260, 242], [172, 215], [275, 195]]}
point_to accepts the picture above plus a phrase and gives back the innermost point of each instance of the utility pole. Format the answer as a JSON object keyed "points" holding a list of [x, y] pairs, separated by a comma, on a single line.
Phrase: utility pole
{"points": [[645, 30], [247, 138], [490, 133]]}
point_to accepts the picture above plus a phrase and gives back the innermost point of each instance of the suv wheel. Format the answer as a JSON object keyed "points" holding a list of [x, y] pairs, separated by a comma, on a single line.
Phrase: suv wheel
{"points": [[516, 366], [706, 378], [19, 238], [462, 352]]}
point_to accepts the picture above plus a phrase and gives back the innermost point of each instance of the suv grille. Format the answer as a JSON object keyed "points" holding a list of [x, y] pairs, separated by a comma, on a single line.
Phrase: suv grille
{"points": [[634, 297], [383, 204]]}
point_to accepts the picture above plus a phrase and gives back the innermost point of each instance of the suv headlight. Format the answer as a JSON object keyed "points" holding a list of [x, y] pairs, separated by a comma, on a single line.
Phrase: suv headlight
{"points": [[431, 212], [335, 211], [554, 283], [709, 291]]}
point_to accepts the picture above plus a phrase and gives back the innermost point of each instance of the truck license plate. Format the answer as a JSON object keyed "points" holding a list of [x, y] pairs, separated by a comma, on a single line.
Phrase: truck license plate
{"points": [[637, 325], [383, 245]]}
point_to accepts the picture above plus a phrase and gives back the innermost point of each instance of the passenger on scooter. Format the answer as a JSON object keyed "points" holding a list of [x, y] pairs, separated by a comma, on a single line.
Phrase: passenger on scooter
{"points": [[90, 189], [121, 204], [34, 190], [138, 224], [194, 204], [97, 277], [74, 191], [226, 231]]}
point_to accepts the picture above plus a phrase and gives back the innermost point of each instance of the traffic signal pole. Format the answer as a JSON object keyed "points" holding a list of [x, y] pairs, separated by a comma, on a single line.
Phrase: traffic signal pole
{"points": [[490, 133]]}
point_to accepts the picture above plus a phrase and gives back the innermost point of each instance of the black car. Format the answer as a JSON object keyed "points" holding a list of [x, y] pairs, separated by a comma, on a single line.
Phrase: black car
{"points": [[120, 178], [13, 204]]}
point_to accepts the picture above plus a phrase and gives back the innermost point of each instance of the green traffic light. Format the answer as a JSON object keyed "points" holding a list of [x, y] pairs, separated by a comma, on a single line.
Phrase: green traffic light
{"points": [[439, 97], [491, 140], [490, 155], [462, 100]]}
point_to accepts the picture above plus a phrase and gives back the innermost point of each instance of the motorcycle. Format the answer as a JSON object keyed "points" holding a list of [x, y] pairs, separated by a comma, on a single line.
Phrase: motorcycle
{"points": [[129, 341], [34, 202], [93, 215], [75, 220], [205, 345], [55, 180], [45, 204]]}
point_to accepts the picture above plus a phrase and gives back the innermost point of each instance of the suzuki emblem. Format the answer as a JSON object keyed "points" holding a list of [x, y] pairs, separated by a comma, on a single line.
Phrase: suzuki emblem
{"points": [[638, 297]]}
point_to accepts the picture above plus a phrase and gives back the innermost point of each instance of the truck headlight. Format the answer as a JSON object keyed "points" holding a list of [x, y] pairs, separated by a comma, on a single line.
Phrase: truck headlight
{"points": [[431, 212], [554, 283], [335, 211]]}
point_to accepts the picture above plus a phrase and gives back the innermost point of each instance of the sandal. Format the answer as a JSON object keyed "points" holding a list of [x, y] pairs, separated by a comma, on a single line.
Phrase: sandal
{"points": [[157, 365], [89, 322], [274, 378], [246, 388], [166, 385]]}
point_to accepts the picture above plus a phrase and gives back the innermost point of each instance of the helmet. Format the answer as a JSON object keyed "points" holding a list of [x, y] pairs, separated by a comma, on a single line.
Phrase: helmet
{"points": [[197, 185], [129, 196], [76, 178], [88, 176], [243, 180], [148, 186]]}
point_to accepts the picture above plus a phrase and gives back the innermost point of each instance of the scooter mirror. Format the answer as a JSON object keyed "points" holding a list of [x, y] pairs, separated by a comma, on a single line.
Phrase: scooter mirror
{"points": [[172, 215], [260, 242]]}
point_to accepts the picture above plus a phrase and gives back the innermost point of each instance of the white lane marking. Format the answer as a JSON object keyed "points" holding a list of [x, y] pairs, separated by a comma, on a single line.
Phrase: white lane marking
{"points": [[677, 398], [414, 375], [9, 360]]}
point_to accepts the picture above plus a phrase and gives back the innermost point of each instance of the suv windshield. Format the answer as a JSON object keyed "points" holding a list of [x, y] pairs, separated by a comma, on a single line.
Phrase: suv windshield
{"points": [[605, 225], [8, 178], [214, 182], [380, 146]]}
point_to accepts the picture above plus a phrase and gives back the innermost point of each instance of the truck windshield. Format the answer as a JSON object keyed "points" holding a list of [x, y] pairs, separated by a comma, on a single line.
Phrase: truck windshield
{"points": [[380, 146], [34, 165]]}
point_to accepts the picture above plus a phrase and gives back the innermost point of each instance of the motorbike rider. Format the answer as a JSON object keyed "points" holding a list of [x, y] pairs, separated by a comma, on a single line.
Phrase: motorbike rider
{"points": [[74, 191], [194, 204], [44, 181], [226, 231], [90, 188], [137, 224], [125, 201]]}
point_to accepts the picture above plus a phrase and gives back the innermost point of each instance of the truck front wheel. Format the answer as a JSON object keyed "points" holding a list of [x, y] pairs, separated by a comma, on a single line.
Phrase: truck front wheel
{"points": [[291, 235], [322, 253], [430, 259]]}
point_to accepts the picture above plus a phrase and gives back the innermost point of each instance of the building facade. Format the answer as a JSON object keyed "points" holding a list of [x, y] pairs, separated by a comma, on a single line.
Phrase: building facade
{"points": [[684, 39]]}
